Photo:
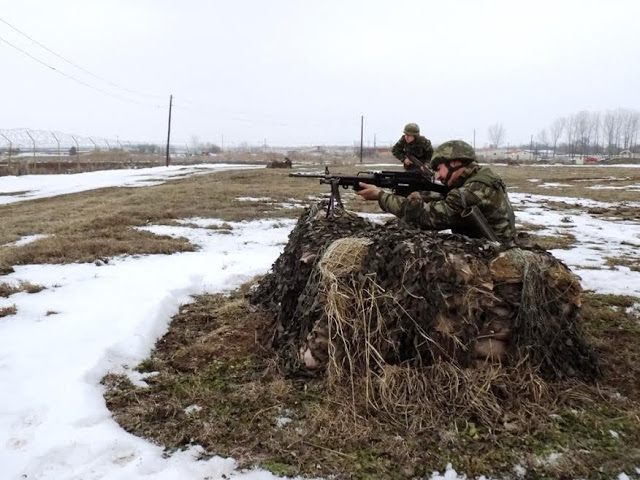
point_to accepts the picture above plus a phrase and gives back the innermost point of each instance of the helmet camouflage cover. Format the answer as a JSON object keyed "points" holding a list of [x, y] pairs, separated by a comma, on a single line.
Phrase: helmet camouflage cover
{"points": [[452, 150], [412, 129]]}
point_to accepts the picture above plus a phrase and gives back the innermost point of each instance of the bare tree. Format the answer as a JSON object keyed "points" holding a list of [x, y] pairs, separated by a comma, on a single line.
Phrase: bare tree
{"points": [[634, 141], [610, 127], [195, 145], [629, 127], [543, 139], [582, 126], [589, 133], [555, 132], [570, 129], [595, 128], [497, 134]]}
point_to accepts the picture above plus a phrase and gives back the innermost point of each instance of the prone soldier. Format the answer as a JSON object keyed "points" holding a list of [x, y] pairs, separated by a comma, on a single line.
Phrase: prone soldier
{"points": [[470, 185]]}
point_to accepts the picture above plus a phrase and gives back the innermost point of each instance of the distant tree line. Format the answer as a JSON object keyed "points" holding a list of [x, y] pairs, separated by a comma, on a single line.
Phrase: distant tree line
{"points": [[147, 148], [608, 133], [593, 133]]}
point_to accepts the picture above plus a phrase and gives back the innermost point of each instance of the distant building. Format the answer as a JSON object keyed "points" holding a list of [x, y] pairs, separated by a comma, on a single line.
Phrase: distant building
{"points": [[505, 154]]}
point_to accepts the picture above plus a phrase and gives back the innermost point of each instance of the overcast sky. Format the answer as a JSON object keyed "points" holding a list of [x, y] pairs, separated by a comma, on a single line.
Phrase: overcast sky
{"points": [[297, 72]]}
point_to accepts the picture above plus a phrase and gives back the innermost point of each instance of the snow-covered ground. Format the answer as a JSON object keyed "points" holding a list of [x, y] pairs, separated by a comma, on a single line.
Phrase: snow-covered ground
{"points": [[91, 320], [571, 165], [28, 187], [597, 239]]}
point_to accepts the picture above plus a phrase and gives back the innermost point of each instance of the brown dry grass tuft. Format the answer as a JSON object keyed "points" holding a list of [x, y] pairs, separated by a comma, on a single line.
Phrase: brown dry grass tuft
{"points": [[562, 240], [92, 244], [6, 311], [7, 289], [629, 261]]}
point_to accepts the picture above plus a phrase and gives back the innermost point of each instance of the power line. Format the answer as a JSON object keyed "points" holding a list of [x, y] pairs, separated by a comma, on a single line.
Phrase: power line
{"points": [[204, 108], [113, 84], [197, 107], [76, 79]]}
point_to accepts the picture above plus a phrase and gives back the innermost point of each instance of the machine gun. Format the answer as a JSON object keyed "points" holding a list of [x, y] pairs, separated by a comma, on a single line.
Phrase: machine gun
{"points": [[401, 183]]}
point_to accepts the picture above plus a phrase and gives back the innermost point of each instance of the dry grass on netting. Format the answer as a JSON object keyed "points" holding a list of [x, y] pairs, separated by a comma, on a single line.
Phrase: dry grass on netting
{"points": [[415, 397]]}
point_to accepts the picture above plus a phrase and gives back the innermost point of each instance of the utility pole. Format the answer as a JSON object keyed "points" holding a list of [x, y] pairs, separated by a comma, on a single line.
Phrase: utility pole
{"points": [[361, 135], [169, 128], [222, 143]]}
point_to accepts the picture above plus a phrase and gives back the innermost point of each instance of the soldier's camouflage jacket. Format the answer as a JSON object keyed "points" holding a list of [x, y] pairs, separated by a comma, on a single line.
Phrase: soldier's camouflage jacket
{"points": [[476, 186], [420, 148]]}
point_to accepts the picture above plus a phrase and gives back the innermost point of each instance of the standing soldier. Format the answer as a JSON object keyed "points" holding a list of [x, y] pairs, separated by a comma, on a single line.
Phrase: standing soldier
{"points": [[469, 185], [415, 145]]}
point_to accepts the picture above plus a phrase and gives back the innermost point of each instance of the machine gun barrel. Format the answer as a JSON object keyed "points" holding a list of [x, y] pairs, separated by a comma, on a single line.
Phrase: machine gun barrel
{"points": [[406, 182], [401, 183]]}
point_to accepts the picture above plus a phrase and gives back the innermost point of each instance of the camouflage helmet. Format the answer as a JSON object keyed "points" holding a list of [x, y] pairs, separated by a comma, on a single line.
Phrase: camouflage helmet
{"points": [[412, 129], [452, 150]]}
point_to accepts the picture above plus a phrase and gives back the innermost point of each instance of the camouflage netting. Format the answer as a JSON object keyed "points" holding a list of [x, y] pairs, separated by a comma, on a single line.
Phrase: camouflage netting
{"points": [[418, 324]]}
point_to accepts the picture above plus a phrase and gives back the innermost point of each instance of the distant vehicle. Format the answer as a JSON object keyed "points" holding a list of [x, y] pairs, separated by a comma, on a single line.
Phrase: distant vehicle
{"points": [[591, 160]]}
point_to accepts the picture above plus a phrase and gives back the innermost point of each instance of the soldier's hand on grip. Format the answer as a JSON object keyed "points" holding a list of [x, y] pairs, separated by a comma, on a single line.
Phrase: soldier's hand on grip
{"points": [[368, 192]]}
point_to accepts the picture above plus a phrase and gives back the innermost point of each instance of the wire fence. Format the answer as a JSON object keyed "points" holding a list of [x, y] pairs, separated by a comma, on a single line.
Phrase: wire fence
{"points": [[24, 142], [27, 151]]}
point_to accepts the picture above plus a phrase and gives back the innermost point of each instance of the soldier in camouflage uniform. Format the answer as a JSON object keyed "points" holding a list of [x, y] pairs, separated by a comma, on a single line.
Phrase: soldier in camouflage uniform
{"points": [[470, 184], [412, 143]]}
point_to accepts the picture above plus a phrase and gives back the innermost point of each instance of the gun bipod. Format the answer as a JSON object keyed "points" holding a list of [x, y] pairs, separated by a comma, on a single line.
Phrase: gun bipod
{"points": [[335, 196]]}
